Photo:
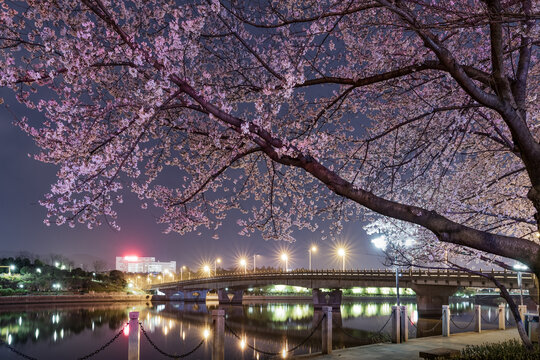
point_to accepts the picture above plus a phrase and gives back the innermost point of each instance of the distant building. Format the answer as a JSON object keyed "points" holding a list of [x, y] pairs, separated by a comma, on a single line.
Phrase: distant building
{"points": [[135, 264]]}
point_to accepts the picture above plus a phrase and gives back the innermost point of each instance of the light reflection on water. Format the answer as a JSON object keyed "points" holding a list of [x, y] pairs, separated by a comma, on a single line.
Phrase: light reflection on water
{"points": [[58, 331]]}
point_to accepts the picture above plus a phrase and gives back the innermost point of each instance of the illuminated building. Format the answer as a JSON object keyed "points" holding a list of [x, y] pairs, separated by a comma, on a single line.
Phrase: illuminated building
{"points": [[135, 264]]}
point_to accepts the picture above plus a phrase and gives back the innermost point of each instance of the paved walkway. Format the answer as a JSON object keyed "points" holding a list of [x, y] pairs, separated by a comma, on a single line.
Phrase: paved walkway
{"points": [[412, 348]]}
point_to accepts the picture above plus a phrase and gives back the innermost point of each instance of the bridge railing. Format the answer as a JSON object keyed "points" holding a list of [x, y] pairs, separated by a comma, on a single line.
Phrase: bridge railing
{"points": [[387, 273]]}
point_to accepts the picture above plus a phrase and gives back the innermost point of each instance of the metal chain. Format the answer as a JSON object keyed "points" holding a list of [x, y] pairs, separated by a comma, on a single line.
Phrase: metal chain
{"points": [[411, 322], [372, 336], [277, 353], [105, 345], [490, 321], [167, 354], [466, 326], [434, 326], [386, 323], [81, 358], [2, 342]]}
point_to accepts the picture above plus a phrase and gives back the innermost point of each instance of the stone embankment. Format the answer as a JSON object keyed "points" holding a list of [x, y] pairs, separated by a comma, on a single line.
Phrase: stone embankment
{"points": [[92, 298]]}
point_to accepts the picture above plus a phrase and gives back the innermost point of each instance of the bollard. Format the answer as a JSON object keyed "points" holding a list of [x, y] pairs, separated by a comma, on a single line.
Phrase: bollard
{"points": [[218, 343], [502, 317], [404, 329], [134, 340], [445, 320], [522, 310], [478, 314], [327, 330], [395, 325]]}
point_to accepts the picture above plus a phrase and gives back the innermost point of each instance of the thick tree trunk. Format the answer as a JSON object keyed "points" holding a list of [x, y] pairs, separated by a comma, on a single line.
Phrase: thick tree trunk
{"points": [[515, 312]]}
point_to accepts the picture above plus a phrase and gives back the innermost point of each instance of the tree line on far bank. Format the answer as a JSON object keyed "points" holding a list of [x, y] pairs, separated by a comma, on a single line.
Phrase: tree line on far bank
{"points": [[33, 276]]}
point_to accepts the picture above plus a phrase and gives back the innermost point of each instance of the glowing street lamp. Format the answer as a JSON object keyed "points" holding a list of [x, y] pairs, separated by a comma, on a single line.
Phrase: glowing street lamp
{"points": [[341, 252], [216, 261], [312, 249], [254, 262], [206, 269], [520, 267], [243, 262], [285, 258], [182, 272], [381, 243]]}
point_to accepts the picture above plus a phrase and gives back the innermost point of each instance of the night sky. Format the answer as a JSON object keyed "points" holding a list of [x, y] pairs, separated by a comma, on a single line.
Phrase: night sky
{"points": [[24, 181]]}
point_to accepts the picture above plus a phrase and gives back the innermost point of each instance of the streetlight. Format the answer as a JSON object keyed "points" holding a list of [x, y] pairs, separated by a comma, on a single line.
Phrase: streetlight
{"points": [[254, 262], [285, 258], [243, 262], [520, 267], [216, 261], [312, 249], [380, 243], [206, 269], [182, 272], [341, 252]]}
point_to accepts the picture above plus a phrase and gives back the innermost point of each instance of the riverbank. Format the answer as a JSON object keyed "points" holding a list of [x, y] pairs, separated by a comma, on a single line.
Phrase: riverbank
{"points": [[86, 298]]}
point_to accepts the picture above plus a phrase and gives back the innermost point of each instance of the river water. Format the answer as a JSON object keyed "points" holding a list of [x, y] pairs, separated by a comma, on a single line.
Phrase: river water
{"points": [[56, 331]]}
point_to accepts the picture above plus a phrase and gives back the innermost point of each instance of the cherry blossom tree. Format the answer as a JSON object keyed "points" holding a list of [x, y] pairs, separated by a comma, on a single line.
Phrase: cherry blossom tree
{"points": [[289, 114]]}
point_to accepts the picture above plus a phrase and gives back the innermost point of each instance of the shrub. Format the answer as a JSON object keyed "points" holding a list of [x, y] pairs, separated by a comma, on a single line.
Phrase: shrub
{"points": [[507, 350], [6, 292]]}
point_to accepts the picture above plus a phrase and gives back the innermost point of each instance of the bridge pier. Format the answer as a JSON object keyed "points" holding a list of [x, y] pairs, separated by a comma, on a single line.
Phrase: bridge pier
{"points": [[332, 299], [431, 298], [223, 296]]}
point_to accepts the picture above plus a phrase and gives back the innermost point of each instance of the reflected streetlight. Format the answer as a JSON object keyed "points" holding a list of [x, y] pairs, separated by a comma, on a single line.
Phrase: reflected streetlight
{"points": [[285, 258], [243, 262], [312, 249], [341, 252], [216, 261]]}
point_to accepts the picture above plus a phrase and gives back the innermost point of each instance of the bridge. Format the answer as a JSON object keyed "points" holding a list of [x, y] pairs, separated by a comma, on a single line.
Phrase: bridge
{"points": [[432, 288]]}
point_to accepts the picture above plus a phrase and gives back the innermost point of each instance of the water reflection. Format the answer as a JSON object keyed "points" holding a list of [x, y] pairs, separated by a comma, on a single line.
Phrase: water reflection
{"points": [[176, 327]]}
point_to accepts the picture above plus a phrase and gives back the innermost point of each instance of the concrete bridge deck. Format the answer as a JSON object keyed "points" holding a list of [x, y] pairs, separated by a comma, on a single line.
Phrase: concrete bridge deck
{"points": [[432, 288], [333, 279], [412, 348]]}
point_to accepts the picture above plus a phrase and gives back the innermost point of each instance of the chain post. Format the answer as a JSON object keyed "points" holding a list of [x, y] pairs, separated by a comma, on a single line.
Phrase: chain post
{"points": [[134, 342], [396, 324], [478, 322], [218, 343], [502, 317], [404, 328], [327, 330], [445, 320]]}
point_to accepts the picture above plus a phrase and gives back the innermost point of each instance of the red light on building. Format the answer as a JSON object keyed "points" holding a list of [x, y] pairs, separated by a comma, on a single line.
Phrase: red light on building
{"points": [[131, 258]]}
